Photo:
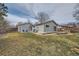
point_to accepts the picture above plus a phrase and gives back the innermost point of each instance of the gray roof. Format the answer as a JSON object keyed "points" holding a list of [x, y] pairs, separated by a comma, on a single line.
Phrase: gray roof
{"points": [[23, 24], [46, 22], [39, 23]]}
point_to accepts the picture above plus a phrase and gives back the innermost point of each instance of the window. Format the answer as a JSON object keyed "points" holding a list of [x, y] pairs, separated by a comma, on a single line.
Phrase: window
{"points": [[23, 30], [47, 25]]}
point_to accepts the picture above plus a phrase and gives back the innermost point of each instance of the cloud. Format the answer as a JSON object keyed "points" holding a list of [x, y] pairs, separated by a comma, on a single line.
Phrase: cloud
{"points": [[60, 12], [19, 10], [13, 19], [64, 13]]}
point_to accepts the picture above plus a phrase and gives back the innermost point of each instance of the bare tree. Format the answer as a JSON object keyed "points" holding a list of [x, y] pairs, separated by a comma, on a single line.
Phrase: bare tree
{"points": [[42, 17], [19, 23]]}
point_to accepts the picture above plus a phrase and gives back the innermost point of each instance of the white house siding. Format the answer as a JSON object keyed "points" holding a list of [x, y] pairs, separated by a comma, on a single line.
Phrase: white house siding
{"points": [[51, 27], [43, 29], [24, 28], [19, 28], [40, 28]]}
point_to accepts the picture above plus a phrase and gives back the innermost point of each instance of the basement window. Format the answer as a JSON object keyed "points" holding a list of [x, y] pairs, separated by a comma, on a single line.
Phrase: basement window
{"points": [[23, 30], [47, 25]]}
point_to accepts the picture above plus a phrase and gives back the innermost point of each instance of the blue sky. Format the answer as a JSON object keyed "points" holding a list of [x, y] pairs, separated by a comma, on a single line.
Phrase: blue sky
{"points": [[59, 12]]}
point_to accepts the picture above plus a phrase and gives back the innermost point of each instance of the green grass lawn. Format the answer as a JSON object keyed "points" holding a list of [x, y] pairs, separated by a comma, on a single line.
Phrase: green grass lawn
{"points": [[36, 45]]}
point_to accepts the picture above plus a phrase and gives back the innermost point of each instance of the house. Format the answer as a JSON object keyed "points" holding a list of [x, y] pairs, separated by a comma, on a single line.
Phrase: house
{"points": [[46, 27], [26, 27]]}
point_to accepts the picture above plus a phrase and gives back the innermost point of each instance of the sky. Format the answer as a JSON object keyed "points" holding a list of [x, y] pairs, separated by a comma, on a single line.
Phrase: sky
{"points": [[22, 12]]}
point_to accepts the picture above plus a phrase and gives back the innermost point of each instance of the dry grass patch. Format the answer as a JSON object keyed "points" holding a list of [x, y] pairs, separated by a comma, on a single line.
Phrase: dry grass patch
{"points": [[32, 44]]}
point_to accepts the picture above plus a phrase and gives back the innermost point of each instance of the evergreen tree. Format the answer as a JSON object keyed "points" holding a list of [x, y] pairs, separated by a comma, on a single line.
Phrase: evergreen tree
{"points": [[3, 14]]}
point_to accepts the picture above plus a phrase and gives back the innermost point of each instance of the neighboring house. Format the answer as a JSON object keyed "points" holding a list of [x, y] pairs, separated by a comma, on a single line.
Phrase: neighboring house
{"points": [[12, 29], [26, 27], [47, 27], [70, 27]]}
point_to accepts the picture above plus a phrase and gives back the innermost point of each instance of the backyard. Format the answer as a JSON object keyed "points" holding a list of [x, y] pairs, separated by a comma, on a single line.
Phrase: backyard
{"points": [[26, 44]]}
